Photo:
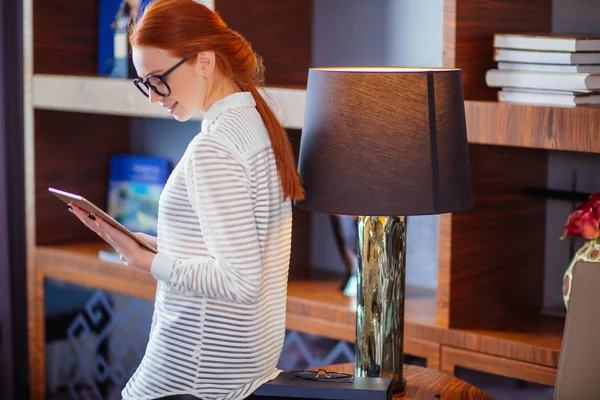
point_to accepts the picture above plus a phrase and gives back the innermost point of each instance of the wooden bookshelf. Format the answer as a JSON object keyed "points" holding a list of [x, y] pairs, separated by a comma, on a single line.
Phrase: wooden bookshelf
{"points": [[491, 258], [484, 313]]}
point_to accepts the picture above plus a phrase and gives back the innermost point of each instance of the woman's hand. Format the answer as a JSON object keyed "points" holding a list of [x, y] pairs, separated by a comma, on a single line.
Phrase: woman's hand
{"points": [[130, 251], [151, 240]]}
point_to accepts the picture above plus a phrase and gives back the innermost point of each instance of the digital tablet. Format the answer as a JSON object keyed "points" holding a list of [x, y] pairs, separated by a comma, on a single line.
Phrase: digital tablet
{"points": [[89, 207]]}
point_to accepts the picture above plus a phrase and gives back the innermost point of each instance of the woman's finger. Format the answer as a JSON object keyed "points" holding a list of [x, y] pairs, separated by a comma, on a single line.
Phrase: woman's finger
{"points": [[83, 217], [122, 243], [92, 222], [101, 228]]}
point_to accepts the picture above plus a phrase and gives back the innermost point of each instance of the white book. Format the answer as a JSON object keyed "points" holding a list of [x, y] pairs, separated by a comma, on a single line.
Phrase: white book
{"points": [[546, 57], [547, 41], [578, 92], [549, 67], [546, 98], [542, 80]]}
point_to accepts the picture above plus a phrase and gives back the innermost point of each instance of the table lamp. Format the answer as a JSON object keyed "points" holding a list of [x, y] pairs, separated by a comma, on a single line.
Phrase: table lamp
{"points": [[383, 144]]}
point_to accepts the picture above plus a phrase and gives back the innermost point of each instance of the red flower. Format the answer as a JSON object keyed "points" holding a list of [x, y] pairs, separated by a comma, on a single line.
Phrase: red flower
{"points": [[572, 226], [589, 226], [585, 219]]}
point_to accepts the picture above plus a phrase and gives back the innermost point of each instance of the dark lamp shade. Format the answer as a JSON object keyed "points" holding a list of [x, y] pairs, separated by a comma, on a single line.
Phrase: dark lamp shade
{"points": [[384, 142]]}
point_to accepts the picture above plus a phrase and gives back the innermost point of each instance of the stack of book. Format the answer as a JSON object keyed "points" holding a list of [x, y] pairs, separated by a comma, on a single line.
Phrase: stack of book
{"points": [[547, 69]]}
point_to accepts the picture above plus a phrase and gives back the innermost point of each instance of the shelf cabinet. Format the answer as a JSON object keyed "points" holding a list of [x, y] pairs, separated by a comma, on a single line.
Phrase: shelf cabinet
{"points": [[491, 258], [486, 307]]}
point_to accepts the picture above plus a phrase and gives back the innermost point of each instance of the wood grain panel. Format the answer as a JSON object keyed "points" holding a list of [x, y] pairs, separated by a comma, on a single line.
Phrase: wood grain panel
{"points": [[320, 299], [317, 306], [430, 351], [541, 127], [320, 327], [36, 327], [72, 153], [65, 35], [497, 248], [469, 28], [425, 383], [444, 283], [452, 357], [532, 339], [449, 33], [279, 31], [79, 263]]}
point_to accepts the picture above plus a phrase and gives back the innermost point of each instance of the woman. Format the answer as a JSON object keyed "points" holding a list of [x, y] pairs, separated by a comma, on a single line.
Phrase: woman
{"points": [[224, 223]]}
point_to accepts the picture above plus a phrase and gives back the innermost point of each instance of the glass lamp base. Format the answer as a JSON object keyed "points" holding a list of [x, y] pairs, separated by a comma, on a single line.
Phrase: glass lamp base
{"points": [[380, 298]]}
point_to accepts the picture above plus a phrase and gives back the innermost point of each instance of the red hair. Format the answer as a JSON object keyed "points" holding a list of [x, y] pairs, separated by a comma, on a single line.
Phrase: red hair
{"points": [[186, 28]]}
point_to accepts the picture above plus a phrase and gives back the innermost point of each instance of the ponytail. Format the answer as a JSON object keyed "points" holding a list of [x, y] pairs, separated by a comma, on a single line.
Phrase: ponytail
{"points": [[246, 68], [282, 148]]}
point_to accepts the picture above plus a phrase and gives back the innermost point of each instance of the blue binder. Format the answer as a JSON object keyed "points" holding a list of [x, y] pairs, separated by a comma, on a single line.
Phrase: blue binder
{"points": [[107, 12]]}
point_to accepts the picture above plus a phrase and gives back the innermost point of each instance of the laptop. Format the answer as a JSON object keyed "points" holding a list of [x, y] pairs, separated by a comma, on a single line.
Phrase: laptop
{"points": [[578, 374]]}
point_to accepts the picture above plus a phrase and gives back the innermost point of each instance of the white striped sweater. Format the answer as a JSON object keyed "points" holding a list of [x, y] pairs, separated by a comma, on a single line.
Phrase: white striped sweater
{"points": [[224, 241]]}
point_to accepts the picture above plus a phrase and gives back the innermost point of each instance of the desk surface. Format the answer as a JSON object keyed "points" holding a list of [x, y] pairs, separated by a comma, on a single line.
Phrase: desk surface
{"points": [[424, 383]]}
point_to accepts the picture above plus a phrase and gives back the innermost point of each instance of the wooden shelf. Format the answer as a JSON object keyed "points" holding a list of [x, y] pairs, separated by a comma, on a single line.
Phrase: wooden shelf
{"points": [[317, 306], [534, 339], [531, 126], [488, 122], [79, 263], [111, 96]]}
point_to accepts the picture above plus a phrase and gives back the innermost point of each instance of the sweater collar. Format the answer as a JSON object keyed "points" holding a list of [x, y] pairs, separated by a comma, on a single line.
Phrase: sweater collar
{"points": [[229, 102]]}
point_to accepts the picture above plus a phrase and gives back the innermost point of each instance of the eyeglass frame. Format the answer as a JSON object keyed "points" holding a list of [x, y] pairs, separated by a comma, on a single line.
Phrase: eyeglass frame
{"points": [[139, 81], [326, 376]]}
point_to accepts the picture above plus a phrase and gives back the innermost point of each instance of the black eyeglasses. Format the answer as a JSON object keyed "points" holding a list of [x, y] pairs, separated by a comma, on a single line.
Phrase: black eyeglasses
{"points": [[156, 83], [321, 375]]}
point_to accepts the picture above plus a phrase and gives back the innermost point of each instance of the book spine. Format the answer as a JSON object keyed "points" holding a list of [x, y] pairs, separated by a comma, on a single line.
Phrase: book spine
{"points": [[540, 80], [534, 43]]}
